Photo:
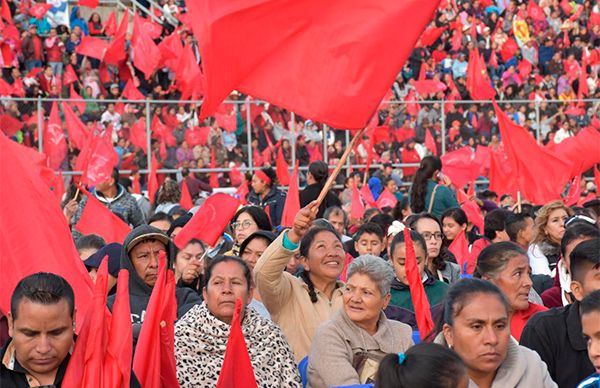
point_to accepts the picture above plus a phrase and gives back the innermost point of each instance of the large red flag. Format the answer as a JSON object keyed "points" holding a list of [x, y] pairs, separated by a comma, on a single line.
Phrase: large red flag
{"points": [[479, 85], [138, 135], [357, 210], [110, 25], [92, 47], [292, 200], [146, 55], [96, 160], [96, 218], [367, 196], [430, 35], [35, 234], [190, 80], [237, 370], [460, 166], [89, 3], [582, 148], [38, 10], [351, 67], [535, 12], [502, 180], [69, 76], [119, 349], [214, 176], [473, 213], [59, 187], [210, 220], [135, 185], [153, 180], [78, 132], [574, 193], [10, 125], [509, 49], [242, 192], [171, 49], [417, 291], [186, 199], [6, 12], [530, 161], [460, 249], [55, 142], [130, 92], [282, 169]]}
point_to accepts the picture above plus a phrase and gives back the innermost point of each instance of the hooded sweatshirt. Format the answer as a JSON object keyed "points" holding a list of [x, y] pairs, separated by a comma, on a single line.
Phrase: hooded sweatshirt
{"points": [[139, 292]]}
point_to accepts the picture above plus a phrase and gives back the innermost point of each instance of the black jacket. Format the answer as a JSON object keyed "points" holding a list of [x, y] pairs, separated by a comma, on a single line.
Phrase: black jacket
{"points": [[274, 200], [556, 335], [311, 192], [139, 292]]}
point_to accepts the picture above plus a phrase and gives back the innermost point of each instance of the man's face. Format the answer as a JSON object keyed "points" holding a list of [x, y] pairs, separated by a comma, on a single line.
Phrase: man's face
{"points": [[42, 336], [337, 221], [144, 258]]}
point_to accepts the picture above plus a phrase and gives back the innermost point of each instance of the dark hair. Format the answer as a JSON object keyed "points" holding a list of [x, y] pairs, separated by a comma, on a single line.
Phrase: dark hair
{"points": [[590, 303], [384, 221], [495, 221], [180, 222], [585, 254], [414, 236], [336, 210], [42, 288], [272, 176], [426, 365], [369, 212], [575, 232], [439, 262], [370, 228], [493, 258], [402, 204], [318, 169], [428, 166], [305, 244], [90, 241], [515, 223], [258, 215], [225, 259], [160, 216], [457, 214]]}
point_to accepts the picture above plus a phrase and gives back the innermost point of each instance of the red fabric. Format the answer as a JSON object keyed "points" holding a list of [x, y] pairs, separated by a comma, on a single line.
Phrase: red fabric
{"points": [[171, 49], [115, 53], [531, 165], [476, 249], [146, 55], [38, 10], [597, 179], [430, 35], [524, 68], [59, 186], [237, 370], [473, 214], [430, 142], [351, 68], [210, 220], [410, 156], [98, 219], [135, 185], [138, 135], [197, 136], [162, 132], [357, 210], [520, 317], [186, 199], [119, 349], [96, 160], [188, 76], [131, 92], [282, 169], [417, 291], [509, 49], [471, 189], [367, 196], [145, 27], [428, 86], [502, 180], [78, 132], [79, 103], [5, 13], [92, 47], [226, 121], [386, 199], [213, 180], [34, 227], [292, 200], [55, 142], [110, 25], [478, 80], [574, 193], [69, 76], [89, 3], [535, 12], [460, 167], [10, 125], [153, 180], [242, 192], [460, 249]]}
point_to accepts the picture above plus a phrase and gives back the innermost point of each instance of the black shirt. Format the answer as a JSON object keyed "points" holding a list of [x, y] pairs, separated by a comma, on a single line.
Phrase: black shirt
{"points": [[311, 192], [557, 336]]}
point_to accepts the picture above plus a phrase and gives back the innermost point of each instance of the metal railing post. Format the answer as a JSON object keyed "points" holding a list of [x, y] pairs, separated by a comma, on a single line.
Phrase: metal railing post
{"points": [[348, 162], [40, 124], [149, 137], [325, 153], [249, 135], [443, 129], [293, 142], [538, 122]]}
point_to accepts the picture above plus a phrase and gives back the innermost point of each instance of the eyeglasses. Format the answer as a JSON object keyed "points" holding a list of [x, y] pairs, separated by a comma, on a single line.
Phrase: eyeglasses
{"points": [[242, 225], [428, 235]]}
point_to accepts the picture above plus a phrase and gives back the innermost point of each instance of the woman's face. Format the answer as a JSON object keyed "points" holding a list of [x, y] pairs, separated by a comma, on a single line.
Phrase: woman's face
{"points": [[363, 301], [244, 227], [515, 282], [191, 252], [258, 185], [226, 284], [555, 226], [430, 230], [326, 257], [451, 228], [480, 334], [399, 260], [253, 251]]}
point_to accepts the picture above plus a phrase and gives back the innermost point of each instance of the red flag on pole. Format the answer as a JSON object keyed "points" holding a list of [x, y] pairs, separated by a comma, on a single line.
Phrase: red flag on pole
{"points": [[351, 69], [478, 81], [292, 200], [210, 220], [417, 291], [430, 35], [282, 170], [59, 187], [6, 12], [535, 12], [92, 47], [38, 10], [69, 76], [357, 210], [597, 179], [96, 218], [130, 92], [460, 249], [110, 25], [386, 199], [367, 196], [49, 245], [97, 160], [55, 142], [146, 55], [214, 177], [89, 3], [574, 193], [237, 370], [135, 185], [78, 132], [473, 213], [79, 103], [430, 142], [153, 180], [502, 180], [242, 192], [138, 136], [10, 125], [186, 199]]}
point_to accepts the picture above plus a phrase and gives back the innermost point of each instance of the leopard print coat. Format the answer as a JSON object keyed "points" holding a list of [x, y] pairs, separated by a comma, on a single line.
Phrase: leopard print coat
{"points": [[201, 339]]}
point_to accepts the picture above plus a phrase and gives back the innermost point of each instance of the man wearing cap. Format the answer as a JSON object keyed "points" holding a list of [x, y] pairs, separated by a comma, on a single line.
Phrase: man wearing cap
{"points": [[139, 256], [92, 263]]}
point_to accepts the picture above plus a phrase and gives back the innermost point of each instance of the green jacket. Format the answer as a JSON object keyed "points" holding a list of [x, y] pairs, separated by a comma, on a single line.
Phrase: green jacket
{"points": [[444, 198]]}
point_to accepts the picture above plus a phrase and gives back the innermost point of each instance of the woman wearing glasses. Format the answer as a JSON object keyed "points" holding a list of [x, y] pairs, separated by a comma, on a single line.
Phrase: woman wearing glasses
{"points": [[246, 221], [439, 260]]}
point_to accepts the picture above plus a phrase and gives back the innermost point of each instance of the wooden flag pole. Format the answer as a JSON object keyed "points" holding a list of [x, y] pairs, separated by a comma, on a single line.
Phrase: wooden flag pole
{"points": [[519, 201], [338, 167]]}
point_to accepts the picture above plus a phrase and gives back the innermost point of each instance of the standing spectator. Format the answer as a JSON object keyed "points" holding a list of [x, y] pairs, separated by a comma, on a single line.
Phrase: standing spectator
{"points": [[316, 178], [77, 21], [54, 48], [429, 192], [95, 25], [33, 52], [266, 195]]}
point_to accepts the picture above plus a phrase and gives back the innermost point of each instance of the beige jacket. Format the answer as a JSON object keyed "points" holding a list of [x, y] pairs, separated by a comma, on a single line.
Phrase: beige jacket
{"points": [[522, 368], [286, 298], [338, 342]]}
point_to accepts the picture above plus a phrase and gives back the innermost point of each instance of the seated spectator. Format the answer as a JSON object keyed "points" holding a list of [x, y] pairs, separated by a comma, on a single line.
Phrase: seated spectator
{"points": [[556, 334], [347, 349], [190, 264], [476, 326], [201, 334], [251, 250], [590, 316], [266, 195], [247, 220]]}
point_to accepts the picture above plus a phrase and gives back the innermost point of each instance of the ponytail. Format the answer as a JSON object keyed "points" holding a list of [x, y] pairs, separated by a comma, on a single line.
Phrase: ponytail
{"points": [[428, 166]]}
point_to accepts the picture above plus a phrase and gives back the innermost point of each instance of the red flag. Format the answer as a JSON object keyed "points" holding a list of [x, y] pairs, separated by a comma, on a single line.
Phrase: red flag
{"points": [[461, 196], [478, 80], [457, 39], [38, 10], [10, 125], [531, 165], [582, 148], [97, 160], [226, 121], [524, 68], [471, 189], [282, 170], [145, 27], [473, 213], [237, 370], [92, 47], [367, 196], [460, 166], [502, 180], [146, 55], [187, 73], [186, 199], [115, 52], [69, 76], [110, 25], [460, 249], [574, 193], [55, 142], [154, 360], [566, 7], [430, 35], [89, 3], [131, 92], [138, 135], [210, 220], [119, 349], [79, 103], [98, 219], [49, 245], [78, 132], [6, 12], [197, 136], [386, 199], [535, 12], [597, 179], [135, 185], [242, 192], [292, 200], [494, 60], [153, 180], [171, 49], [509, 49], [266, 59], [430, 142], [357, 210], [59, 187], [417, 291], [214, 176]]}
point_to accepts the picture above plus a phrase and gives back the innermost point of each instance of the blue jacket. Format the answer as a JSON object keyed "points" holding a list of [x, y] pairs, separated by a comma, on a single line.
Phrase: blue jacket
{"points": [[78, 21], [274, 200], [545, 54]]}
